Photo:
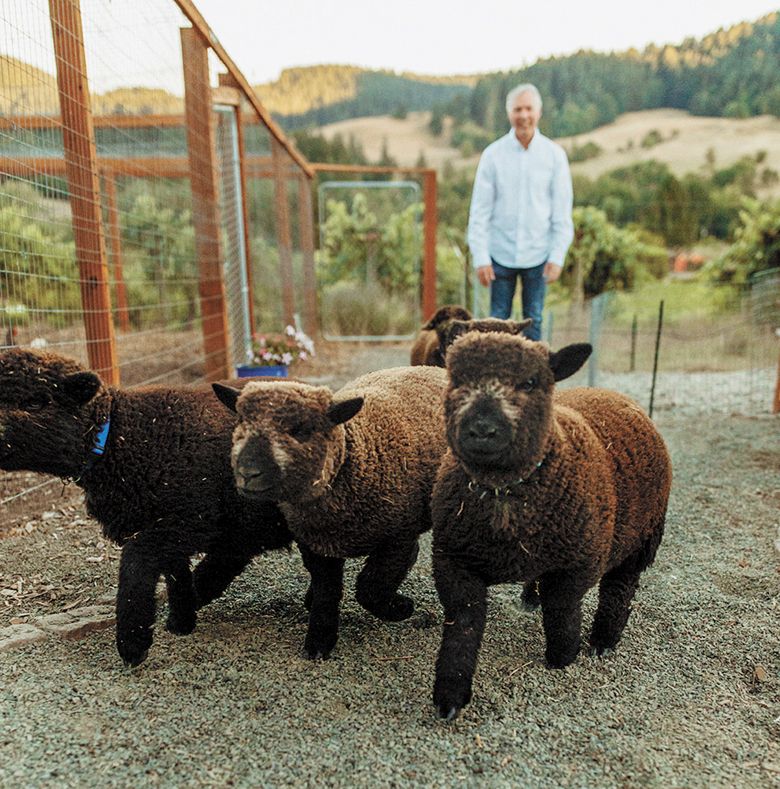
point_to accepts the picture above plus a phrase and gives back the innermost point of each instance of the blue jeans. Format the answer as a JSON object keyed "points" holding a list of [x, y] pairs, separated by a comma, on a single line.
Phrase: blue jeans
{"points": [[533, 288]]}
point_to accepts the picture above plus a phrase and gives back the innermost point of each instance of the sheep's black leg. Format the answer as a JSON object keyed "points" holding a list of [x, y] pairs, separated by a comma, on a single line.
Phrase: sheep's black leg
{"points": [[377, 584], [530, 596], [327, 583], [561, 595], [214, 574], [616, 591], [140, 567], [181, 597], [464, 597]]}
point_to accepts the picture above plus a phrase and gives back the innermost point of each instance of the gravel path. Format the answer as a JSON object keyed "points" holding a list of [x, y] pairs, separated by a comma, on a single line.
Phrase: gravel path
{"points": [[691, 698]]}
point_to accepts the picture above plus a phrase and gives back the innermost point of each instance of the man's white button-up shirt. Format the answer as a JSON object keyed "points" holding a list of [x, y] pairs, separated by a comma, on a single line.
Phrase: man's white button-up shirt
{"points": [[521, 204]]}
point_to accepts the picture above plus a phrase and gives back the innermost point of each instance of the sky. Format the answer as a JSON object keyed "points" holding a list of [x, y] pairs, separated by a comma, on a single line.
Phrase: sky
{"points": [[441, 38]]}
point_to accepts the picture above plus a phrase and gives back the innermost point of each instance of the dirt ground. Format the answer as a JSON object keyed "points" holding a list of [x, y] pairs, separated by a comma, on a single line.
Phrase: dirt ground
{"points": [[691, 698]]}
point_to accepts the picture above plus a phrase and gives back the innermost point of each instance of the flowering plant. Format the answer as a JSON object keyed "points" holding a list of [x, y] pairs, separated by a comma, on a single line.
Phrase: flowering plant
{"points": [[281, 348]]}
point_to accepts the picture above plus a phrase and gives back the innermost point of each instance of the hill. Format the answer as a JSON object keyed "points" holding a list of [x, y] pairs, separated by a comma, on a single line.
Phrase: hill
{"points": [[316, 95], [684, 143]]}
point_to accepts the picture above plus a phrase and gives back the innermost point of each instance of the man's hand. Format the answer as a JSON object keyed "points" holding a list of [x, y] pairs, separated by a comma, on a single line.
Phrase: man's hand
{"points": [[551, 271], [486, 275]]}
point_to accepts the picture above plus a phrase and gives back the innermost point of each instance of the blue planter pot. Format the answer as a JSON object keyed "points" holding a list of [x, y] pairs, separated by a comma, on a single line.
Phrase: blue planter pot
{"points": [[272, 371]]}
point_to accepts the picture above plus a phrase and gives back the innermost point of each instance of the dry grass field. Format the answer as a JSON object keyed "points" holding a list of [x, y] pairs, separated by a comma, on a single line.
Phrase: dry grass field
{"points": [[685, 141]]}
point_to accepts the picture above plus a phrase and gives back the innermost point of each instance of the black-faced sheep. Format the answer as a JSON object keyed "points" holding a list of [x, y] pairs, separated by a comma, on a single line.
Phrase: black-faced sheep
{"points": [[567, 491], [352, 473], [425, 349], [154, 464]]}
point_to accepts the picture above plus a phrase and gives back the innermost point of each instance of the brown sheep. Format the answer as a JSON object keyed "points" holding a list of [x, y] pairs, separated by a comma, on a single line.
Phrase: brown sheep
{"points": [[425, 349], [154, 464], [352, 473], [568, 491]]}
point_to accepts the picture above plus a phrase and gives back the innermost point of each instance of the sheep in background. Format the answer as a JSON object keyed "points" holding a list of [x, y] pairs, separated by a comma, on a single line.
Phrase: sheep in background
{"points": [[154, 464], [568, 492], [352, 472], [425, 349]]}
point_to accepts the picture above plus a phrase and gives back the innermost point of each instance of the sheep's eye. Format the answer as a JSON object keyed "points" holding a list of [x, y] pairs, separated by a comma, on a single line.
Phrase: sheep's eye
{"points": [[529, 385], [300, 432], [36, 403]]}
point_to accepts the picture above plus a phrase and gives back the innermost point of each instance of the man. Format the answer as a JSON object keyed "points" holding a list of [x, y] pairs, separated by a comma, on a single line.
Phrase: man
{"points": [[520, 219]]}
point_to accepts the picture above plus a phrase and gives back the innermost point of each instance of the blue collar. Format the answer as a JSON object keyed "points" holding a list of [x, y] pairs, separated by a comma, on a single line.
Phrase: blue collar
{"points": [[101, 438]]}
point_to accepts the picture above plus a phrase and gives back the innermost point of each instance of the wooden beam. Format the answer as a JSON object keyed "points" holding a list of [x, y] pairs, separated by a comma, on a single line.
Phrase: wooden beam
{"points": [[191, 12], [283, 235], [115, 239], [78, 136], [205, 202], [429, 245], [226, 96], [306, 221]]}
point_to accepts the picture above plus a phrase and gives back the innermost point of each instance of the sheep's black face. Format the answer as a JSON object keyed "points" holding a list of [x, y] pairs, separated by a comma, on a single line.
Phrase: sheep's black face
{"points": [[499, 404], [44, 424], [498, 407], [289, 444]]}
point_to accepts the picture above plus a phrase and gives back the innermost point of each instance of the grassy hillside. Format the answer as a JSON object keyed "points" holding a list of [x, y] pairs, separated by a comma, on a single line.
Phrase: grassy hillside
{"points": [[684, 141], [25, 89]]}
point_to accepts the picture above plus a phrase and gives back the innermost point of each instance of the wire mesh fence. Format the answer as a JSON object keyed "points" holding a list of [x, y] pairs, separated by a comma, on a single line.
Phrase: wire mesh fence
{"points": [[142, 189], [715, 350]]}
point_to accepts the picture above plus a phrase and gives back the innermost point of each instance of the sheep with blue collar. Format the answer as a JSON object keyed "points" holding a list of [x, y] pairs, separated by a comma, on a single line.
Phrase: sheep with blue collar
{"points": [[154, 464]]}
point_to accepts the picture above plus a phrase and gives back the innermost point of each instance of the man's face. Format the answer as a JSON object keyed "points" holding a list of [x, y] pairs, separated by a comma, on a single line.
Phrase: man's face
{"points": [[524, 115]]}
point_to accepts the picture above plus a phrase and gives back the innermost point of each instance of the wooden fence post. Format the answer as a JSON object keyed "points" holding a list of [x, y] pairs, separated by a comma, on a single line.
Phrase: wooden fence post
{"points": [[115, 237], [78, 136], [283, 235], [429, 245], [205, 201], [306, 220]]}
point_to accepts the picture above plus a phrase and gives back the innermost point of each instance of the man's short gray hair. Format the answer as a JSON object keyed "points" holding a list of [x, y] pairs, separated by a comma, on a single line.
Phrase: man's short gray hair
{"points": [[526, 87]]}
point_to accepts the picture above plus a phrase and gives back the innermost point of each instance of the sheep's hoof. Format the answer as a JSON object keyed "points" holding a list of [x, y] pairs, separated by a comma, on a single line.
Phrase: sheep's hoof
{"points": [[599, 650], [316, 649], [450, 697], [134, 660], [561, 660], [180, 625]]}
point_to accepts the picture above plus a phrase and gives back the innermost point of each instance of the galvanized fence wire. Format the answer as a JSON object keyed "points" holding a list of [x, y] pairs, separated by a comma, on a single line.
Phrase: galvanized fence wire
{"points": [[723, 364], [146, 149]]}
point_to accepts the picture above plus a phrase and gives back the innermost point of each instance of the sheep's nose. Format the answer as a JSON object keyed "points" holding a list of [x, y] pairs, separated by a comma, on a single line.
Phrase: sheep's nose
{"points": [[482, 429]]}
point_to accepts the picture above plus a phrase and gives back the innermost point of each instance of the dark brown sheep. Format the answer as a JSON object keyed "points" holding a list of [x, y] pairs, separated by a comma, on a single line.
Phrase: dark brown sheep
{"points": [[425, 349], [353, 473], [568, 491], [154, 464]]}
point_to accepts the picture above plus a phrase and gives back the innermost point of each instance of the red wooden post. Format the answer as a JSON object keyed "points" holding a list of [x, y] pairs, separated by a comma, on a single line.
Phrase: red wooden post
{"points": [[283, 235], [205, 201], [306, 220], [429, 235], [78, 136], [115, 238]]}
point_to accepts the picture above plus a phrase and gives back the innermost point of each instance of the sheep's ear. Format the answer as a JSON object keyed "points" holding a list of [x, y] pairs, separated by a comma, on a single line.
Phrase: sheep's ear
{"points": [[344, 410], [516, 327], [227, 395], [81, 387], [568, 360], [449, 331]]}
